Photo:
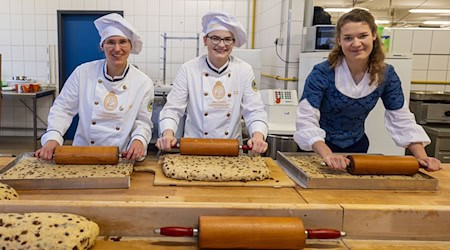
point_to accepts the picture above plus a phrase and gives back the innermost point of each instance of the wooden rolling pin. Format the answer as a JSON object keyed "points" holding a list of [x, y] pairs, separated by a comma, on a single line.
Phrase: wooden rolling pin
{"points": [[382, 165], [86, 155], [232, 232], [214, 147]]}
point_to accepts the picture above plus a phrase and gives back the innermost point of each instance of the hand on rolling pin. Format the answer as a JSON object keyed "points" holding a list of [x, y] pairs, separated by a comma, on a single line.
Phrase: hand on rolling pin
{"points": [[167, 141], [135, 151], [257, 143], [332, 160], [429, 163], [46, 152]]}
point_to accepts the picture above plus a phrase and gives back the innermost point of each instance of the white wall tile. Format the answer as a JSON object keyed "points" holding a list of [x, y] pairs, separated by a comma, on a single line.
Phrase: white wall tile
{"points": [[448, 66], [77, 5], [230, 7], [15, 6], [29, 37], [17, 37], [216, 5], [448, 77], [140, 7], [41, 54], [421, 41], [91, 5], [18, 68], [420, 62], [439, 76], [41, 22], [6, 7], [165, 7], [16, 22], [5, 22], [42, 70], [41, 38], [52, 6], [65, 4], [140, 23], [6, 69], [165, 24], [28, 6], [178, 24], [419, 75], [6, 52], [203, 7], [52, 22], [440, 42], [418, 87], [106, 5], [29, 22], [5, 37], [29, 53], [438, 62], [190, 9], [152, 23], [40, 7], [153, 8], [30, 69], [178, 8], [153, 39], [192, 24]]}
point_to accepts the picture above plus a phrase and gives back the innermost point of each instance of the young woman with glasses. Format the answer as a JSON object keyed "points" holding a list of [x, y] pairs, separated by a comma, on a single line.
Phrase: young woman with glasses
{"points": [[112, 97], [215, 90]]}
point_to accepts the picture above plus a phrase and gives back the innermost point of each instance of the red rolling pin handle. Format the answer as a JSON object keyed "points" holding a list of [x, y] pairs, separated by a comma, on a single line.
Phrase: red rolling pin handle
{"points": [[245, 148], [323, 234], [177, 231]]}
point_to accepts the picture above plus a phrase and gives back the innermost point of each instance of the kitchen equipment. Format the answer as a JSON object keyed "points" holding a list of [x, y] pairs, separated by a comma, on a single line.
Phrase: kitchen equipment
{"points": [[307, 170], [231, 232], [214, 147], [13, 82], [432, 109], [382, 165], [281, 108], [87, 155], [318, 38]]}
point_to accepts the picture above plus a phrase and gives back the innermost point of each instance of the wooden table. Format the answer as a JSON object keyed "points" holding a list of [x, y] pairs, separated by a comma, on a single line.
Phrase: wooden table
{"points": [[364, 214]]}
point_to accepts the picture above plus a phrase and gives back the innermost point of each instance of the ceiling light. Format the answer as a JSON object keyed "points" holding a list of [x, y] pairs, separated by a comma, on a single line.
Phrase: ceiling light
{"points": [[430, 11], [437, 22], [382, 21]]}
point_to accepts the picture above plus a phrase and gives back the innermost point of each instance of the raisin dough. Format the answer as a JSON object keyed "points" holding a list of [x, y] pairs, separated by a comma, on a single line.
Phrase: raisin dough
{"points": [[33, 168], [46, 231], [8, 193], [215, 168]]}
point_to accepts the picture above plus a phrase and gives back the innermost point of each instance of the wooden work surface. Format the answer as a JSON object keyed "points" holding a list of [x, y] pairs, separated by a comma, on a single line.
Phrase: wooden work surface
{"points": [[363, 214], [278, 178]]}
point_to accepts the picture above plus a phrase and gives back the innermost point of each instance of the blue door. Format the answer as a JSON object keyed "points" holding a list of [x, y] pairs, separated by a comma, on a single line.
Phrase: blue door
{"points": [[78, 42]]}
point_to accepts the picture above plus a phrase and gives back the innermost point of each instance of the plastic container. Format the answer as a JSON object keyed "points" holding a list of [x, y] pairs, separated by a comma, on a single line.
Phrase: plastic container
{"points": [[385, 35]]}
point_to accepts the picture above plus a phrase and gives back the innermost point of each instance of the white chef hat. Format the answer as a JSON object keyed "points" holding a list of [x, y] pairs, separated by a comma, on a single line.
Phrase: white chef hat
{"points": [[215, 20], [115, 25]]}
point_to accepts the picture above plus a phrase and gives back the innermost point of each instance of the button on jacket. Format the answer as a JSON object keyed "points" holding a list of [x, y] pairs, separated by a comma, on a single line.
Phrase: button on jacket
{"points": [[112, 113]]}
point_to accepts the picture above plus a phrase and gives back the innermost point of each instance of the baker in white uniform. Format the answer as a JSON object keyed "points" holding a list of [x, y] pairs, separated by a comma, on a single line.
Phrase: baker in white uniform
{"points": [[112, 97], [215, 91]]}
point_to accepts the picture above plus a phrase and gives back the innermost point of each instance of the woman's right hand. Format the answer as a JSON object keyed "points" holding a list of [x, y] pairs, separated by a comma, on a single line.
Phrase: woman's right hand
{"points": [[167, 141], [46, 152], [334, 161]]}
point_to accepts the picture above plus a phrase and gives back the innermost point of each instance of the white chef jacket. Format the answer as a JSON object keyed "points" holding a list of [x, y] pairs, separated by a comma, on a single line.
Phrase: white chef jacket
{"points": [[111, 112], [214, 102]]}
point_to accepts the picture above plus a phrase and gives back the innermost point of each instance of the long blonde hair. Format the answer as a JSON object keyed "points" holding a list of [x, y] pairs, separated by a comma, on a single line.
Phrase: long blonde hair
{"points": [[375, 63]]}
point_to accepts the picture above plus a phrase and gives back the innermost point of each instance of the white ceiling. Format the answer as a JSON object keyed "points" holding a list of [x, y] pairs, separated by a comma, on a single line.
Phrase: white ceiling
{"points": [[398, 9]]}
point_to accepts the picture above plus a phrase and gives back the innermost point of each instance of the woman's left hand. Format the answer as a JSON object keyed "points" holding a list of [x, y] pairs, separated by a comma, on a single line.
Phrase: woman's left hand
{"points": [[257, 143], [430, 163], [135, 151]]}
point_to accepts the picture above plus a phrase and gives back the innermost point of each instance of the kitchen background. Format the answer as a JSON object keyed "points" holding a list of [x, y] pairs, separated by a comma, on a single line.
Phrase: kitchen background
{"points": [[28, 43]]}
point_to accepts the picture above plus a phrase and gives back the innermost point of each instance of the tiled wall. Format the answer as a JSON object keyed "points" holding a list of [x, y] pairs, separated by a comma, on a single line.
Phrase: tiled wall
{"points": [[272, 22], [28, 31], [430, 49]]}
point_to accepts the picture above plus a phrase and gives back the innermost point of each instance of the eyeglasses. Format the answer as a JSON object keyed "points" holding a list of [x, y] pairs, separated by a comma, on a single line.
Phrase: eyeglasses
{"points": [[111, 44], [216, 40]]}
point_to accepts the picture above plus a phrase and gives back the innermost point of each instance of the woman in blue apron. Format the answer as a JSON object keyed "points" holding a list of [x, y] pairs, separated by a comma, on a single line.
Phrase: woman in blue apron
{"points": [[340, 92]]}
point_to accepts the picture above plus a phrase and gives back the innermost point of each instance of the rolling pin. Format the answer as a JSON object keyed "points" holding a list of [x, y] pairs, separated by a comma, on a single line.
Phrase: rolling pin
{"points": [[382, 165], [231, 232], [86, 155], [214, 147]]}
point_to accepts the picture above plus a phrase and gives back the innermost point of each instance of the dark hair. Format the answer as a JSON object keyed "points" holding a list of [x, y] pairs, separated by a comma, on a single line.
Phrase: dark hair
{"points": [[375, 63]]}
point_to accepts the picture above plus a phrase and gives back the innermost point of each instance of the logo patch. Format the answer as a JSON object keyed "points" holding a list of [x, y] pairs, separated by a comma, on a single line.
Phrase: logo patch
{"points": [[150, 106], [254, 86], [110, 102], [218, 91]]}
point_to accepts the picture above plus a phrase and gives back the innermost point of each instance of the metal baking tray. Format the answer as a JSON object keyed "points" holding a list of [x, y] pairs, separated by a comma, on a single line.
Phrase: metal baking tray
{"points": [[430, 96], [62, 183], [336, 179]]}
